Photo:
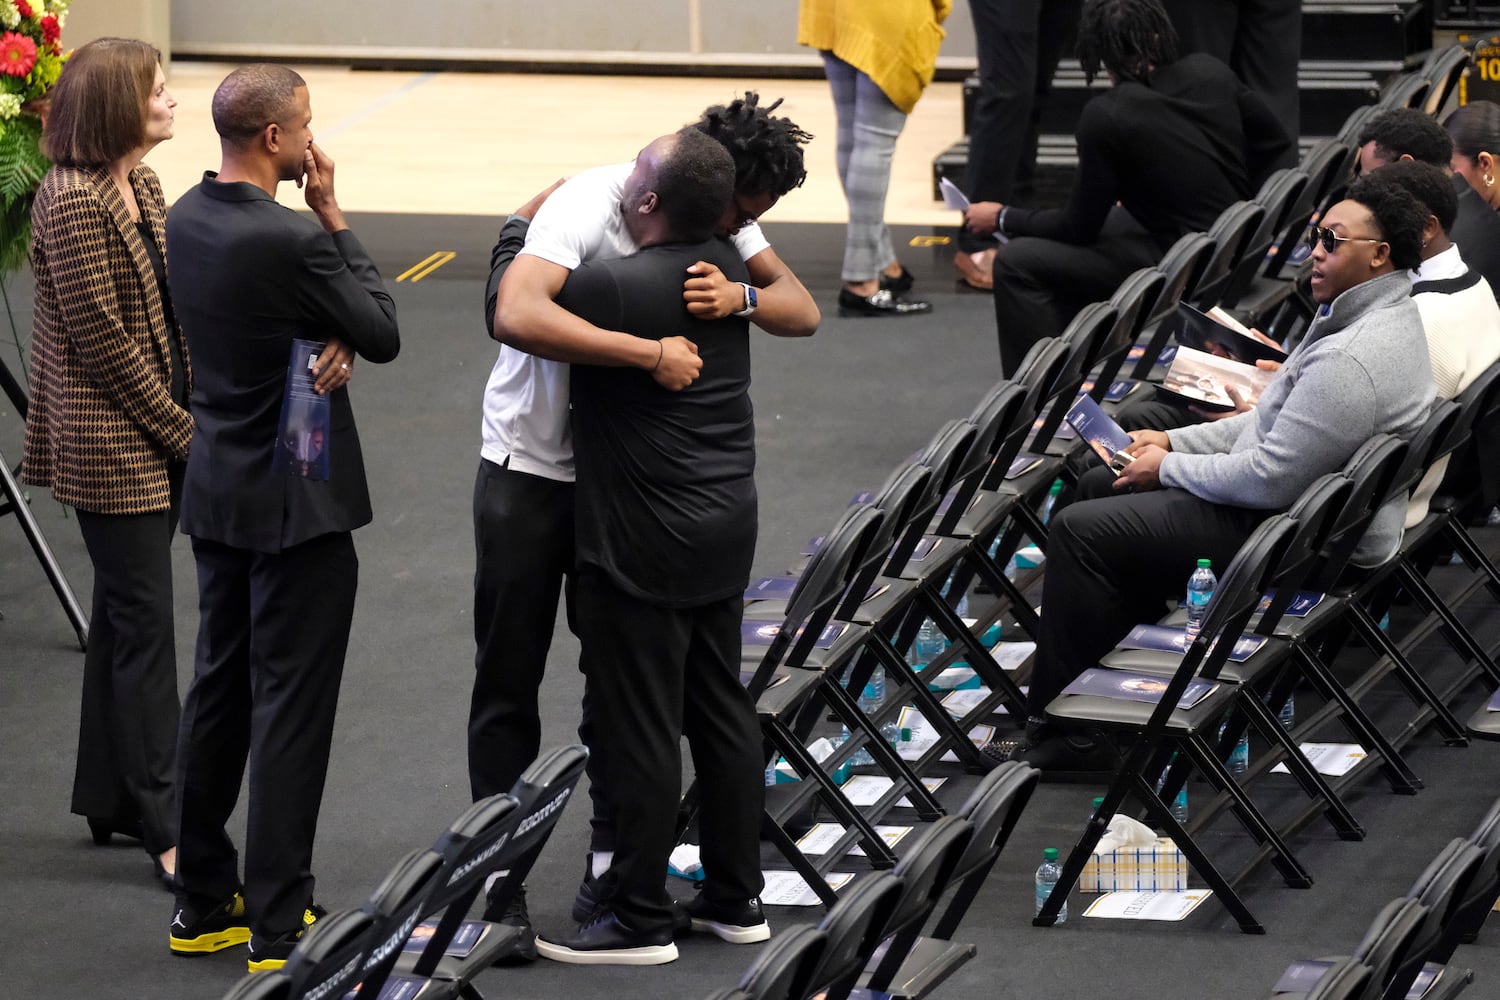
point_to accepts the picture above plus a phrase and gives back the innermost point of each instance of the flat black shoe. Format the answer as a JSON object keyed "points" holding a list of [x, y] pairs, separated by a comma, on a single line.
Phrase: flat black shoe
{"points": [[590, 897], [900, 284], [1070, 758], [604, 940], [101, 828], [883, 303]]}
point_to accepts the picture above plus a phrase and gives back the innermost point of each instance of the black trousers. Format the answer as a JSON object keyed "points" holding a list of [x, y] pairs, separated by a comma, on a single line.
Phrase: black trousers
{"points": [[523, 546], [127, 729], [1261, 40], [660, 674], [1040, 284], [272, 634], [1113, 560], [1018, 43]]}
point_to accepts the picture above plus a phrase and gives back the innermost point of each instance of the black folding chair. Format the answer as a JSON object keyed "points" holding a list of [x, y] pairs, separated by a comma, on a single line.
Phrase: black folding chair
{"points": [[1181, 265], [993, 808], [1479, 901], [1405, 91], [1339, 979], [784, 967], [1440, 888], [853, 928], [925, 872], [1233, 233], [1148, 733], [472, 849], [1442, 71], [330, 959]]}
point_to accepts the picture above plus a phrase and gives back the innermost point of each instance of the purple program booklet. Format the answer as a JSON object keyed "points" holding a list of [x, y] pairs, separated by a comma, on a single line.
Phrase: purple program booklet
{"points": [[762, 633], [1174, 640], [1131, 686], [1301, 604], [1105, 437]]}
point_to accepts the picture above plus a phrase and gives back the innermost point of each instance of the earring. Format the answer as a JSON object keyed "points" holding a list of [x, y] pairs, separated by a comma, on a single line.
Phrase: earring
{"points": [[1489, 181]]}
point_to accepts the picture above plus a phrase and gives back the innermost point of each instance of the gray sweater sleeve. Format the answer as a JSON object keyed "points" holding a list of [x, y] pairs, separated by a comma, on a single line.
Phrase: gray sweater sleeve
{"points": [[1211, 436], [1329, 411]]}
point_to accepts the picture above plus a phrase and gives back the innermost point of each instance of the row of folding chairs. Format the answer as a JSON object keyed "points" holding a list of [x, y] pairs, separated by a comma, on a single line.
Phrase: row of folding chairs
{"points": [[892, 933], [1303, 552], [1409, 950], [905, 552], [413, 940]]}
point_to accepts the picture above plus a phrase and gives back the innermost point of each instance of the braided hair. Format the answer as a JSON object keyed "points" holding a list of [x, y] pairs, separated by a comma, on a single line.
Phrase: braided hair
{"points": [[766, 149], [1128, 38]]}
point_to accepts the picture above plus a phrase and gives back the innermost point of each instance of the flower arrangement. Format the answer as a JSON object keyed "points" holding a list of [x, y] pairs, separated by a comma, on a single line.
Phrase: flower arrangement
{"points": [[31, 57]]}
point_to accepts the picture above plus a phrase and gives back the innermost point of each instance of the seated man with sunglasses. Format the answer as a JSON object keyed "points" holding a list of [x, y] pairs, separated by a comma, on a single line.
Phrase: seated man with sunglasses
{"points": [[1129, 543]]}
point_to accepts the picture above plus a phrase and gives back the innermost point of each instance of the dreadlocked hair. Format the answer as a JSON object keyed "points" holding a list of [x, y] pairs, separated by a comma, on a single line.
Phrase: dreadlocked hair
{"points": [[766, 149], [1126, 37]]}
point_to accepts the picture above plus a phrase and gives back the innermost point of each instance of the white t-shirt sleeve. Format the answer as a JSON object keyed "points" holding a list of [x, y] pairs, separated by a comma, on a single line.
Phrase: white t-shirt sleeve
{"points": [[750, 241], [569, 228]]}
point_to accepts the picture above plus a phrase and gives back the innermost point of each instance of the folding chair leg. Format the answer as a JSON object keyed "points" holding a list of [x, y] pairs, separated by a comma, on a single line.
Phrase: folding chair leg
{"points": [[979, 658], [1416, 685], [1458, 635], [1402, 779], [1162, 814], [787, 845], [954, 737], [1249, 814], [1474, 556], [1313, 783], [809, 769]]}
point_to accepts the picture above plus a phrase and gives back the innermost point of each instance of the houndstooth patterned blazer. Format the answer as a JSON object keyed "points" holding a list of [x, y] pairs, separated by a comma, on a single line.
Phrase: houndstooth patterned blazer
{"points": [[101, 426]]}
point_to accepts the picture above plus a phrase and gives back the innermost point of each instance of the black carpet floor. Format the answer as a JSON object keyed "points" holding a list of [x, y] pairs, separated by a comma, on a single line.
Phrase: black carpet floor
{"points": [[835, 414]]}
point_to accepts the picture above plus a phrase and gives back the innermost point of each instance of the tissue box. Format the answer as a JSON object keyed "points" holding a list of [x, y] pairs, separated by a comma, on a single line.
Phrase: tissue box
{"points": [[1156, 868]]}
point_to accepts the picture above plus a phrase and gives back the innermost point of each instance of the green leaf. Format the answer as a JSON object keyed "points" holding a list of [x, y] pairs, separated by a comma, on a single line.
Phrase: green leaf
{"points": [[22, 164]]}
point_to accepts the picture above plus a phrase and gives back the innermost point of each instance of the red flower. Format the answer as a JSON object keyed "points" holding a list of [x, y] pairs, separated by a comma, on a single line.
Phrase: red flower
{"points": [[51, 30], [25, 9], [17, 54]]}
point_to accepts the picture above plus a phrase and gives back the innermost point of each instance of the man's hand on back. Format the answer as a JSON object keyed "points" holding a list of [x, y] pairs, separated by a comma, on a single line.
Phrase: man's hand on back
{"points": [[679, 364]]}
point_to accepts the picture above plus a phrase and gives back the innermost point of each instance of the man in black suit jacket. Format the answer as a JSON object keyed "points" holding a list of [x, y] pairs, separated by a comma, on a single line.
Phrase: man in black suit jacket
{"points": [[276, 561]]}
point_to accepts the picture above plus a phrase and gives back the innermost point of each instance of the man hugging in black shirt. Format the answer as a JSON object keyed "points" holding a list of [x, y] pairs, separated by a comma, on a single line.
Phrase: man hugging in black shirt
{"points": [[665, 530]]}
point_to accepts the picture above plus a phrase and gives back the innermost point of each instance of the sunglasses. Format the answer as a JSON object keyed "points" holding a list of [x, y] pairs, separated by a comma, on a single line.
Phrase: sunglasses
{"points": [[1331, 239]]}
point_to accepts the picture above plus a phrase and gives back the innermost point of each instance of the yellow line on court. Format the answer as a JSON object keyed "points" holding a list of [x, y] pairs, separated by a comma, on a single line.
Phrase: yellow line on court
{"points": [[426, 265]]}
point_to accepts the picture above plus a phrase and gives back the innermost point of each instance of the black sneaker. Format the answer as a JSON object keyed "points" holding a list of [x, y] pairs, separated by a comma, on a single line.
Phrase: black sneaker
{"points": [[590, 894], [606, 941], [271, 953], [203, 933], [512, 914], [738, 923], [590, 897]]}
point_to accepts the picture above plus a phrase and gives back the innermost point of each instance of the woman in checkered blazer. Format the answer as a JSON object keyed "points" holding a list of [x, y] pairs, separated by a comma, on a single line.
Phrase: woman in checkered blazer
{"points": [[107, 428]]}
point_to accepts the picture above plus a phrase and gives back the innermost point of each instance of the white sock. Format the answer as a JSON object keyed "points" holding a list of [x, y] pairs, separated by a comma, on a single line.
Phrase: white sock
{"points": [[599, 862]]}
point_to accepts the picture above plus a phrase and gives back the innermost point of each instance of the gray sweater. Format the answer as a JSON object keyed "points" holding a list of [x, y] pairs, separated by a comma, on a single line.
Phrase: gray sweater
{"points": [[1362, 369]]}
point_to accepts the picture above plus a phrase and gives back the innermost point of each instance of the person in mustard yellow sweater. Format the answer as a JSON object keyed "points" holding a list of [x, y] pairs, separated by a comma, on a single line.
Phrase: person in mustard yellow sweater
{"points": [[879, 56]]}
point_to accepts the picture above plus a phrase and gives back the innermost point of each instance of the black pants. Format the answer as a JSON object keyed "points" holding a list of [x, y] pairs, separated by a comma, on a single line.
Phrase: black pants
{"points": [[523, 547], [1113, 560], [1040, 284], [1018, 43], [272, 634], [660, 674], [1261, 40], [127, 731]]}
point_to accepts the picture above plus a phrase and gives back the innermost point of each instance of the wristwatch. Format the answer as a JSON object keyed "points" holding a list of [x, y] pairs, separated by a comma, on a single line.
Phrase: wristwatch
{"points": [[750, 301]]}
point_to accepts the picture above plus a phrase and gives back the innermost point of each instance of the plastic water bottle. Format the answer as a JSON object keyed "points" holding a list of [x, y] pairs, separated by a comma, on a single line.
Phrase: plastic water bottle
{"points": [[1179, 804], [771, 771], [1200, 589], [1098, 801], [870, 700], [928, 646], [1239, 758], [1045, 511], [1046, 880], [1288, 714]]}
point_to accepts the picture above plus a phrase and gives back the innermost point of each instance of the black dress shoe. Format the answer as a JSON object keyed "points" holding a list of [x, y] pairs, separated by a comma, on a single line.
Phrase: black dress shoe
{"points": [[900, 284], [102, 827], [883, 303]]}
